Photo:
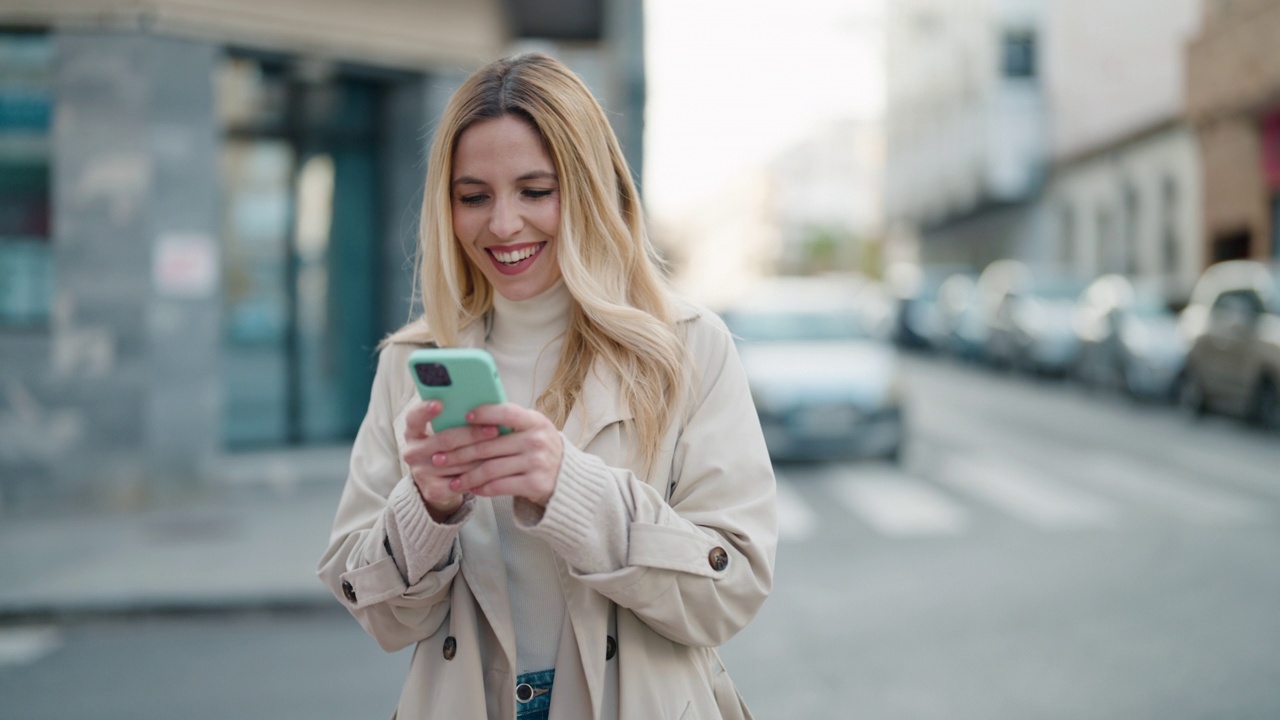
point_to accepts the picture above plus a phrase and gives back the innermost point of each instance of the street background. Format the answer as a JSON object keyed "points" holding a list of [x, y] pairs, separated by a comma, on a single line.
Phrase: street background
{"points": [[1041, 552], [1072, 505]]}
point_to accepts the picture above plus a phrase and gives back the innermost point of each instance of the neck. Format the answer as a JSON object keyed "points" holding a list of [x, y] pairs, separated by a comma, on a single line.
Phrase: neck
{"points": [[534, 322]]}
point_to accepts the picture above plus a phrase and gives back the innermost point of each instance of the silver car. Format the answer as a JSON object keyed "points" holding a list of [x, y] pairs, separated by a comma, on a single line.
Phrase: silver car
{"points": [[824, 385], [1232, 326]]}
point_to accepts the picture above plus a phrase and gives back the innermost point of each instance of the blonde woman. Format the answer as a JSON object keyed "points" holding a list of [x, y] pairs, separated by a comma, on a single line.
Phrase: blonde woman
{"points": [[587, 564]]}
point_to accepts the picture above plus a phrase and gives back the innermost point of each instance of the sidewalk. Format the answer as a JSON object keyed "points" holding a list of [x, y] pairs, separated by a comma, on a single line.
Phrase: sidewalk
{"points": [[251, 543]]}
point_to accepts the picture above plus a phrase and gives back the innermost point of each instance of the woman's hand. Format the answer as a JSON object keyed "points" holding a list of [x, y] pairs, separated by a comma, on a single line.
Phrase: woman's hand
{"points": [[421, 446], [523, 463]]}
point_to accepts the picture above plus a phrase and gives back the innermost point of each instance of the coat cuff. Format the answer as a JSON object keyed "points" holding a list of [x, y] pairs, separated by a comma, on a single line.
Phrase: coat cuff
{"points": [[418, 543], [586, 520]]}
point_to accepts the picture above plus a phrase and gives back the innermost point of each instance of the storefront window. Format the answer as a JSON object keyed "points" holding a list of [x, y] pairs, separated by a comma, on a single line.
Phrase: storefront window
{"points": [[26, 111], [301, 246]]}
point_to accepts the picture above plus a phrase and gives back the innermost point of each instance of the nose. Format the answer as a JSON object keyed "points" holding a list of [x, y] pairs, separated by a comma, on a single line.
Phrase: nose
{"points": [[505, 222]]}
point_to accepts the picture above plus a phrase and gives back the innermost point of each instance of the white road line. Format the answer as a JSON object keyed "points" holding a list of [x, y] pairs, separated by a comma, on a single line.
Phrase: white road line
{"points": [[1172, 493], [896, 505], [795, 520], [1025, 493], [26, 645]]}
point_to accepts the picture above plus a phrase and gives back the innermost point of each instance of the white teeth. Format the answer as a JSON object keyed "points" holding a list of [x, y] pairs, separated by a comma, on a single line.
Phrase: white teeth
{"points": [[511, 258]]}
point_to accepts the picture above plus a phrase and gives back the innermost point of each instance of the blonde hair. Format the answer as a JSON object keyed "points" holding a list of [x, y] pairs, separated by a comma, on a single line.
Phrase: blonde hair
{"points": [[622, 314]]}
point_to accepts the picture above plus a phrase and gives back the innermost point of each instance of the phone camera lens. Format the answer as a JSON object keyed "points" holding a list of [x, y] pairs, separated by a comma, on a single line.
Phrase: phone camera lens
{"points": [[433, 375]]}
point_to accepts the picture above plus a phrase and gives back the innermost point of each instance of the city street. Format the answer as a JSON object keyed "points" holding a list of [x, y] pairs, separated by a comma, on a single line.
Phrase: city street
{"points": [[1043, 552]]}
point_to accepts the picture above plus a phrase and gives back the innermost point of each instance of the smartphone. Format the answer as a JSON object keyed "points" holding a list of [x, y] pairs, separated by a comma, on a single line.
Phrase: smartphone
{"points": [[461, 378]]}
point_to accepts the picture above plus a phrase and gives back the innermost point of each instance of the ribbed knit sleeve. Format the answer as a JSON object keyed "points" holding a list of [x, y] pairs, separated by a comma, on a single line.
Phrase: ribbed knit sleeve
{"points": [[418, 543], [586, 521]]}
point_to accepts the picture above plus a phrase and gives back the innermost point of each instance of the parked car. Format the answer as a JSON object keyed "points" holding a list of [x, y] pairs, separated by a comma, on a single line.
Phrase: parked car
{"points": [[1232, 326], [1028, 316], [918, 322], [963, 328], [995, 284], [1045, 339], [1129, 339], [824, 386]]}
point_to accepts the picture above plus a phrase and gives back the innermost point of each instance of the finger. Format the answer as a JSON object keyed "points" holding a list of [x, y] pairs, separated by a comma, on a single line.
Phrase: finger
{"points": [[437, 494], [500, 468], [418, 417], [506, 415], [534, 486], [422, 450], [489, 444]]}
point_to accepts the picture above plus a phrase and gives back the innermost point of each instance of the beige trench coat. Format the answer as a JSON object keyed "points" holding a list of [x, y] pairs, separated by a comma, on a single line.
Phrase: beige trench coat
{"points": [[638, 643]]}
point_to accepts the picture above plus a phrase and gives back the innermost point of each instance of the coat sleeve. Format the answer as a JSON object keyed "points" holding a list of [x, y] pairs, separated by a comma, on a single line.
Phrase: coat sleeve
{"points": [[696, 564], [388, 562]]}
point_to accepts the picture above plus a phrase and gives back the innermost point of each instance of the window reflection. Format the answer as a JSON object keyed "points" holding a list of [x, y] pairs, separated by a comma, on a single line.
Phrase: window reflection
{"points": [[26, 111]]}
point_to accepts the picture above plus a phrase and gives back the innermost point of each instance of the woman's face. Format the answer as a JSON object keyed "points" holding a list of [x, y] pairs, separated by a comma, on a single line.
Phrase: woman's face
{"points": [[506, 206]]}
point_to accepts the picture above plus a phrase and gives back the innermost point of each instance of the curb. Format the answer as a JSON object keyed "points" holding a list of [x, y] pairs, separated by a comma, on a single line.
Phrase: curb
{"points": [[68, 613]]}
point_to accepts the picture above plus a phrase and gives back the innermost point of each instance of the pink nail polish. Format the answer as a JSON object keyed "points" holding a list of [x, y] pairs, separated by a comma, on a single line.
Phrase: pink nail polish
{"points": [[439, 458]]}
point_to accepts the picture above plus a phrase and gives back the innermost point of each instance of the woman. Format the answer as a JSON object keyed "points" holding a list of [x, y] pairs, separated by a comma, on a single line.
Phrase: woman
{"points": [[586, 564]]}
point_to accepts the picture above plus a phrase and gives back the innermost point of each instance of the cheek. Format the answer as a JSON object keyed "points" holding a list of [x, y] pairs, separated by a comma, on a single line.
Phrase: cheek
{"points": [[463, 225], [549, 220]]}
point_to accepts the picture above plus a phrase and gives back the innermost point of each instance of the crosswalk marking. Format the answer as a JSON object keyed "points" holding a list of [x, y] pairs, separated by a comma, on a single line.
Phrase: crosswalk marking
{"points": [[1179, 496], [1025, 494], [26, 645], [899, 506], [1094, 489], [795, 520]]}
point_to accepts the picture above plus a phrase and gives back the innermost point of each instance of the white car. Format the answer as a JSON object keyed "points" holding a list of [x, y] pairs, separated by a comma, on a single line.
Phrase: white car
{"points": [[824, 384]]}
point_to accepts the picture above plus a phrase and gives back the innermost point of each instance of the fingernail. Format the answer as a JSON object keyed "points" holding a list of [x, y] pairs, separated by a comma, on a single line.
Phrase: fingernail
{"points": [[490, 431], [439, 458], [455, 484], [471, 417], [435, 405]]}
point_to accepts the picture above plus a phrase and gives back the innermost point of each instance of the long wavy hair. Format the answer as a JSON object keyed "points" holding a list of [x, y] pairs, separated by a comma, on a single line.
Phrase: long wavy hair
{"points": [[623, 314]]}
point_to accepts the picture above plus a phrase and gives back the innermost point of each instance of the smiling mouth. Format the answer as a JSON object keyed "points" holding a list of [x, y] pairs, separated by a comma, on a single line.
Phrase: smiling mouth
{"points": [[513, 258]]}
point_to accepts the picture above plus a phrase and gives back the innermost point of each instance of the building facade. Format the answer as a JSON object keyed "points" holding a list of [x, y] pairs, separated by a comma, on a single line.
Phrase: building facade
{"points": [[208, 214], [965, 128], [1123, 194], [1233, 101]]}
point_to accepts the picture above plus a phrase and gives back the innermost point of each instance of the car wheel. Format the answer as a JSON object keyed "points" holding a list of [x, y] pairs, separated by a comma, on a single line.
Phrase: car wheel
{"points": [[1191, 394], [1265, 409]]}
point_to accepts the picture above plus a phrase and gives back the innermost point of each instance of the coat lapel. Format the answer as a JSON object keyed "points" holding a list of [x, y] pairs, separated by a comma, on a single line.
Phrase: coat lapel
{"points": [[599, 407], [485, 568], [486, 573]]}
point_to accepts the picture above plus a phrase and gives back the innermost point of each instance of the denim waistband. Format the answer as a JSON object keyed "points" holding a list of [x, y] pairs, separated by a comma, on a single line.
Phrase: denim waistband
{"points": [[533, 695]]}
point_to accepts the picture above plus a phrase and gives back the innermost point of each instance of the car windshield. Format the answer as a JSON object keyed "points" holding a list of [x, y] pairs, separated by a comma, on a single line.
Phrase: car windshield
{"points": [[1147, 306], [1057, 288], [794, 325]]}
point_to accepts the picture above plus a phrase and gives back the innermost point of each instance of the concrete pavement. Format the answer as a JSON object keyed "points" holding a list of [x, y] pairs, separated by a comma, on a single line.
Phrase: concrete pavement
{"points": [[250, 542]]}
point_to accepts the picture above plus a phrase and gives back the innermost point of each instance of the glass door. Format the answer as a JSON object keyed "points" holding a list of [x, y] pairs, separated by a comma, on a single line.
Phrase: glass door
{"points": [[302, 240]]}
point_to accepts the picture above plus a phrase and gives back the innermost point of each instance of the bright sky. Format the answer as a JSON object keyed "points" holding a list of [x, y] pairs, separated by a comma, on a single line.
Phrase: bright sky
{"points": [[731, 83]]}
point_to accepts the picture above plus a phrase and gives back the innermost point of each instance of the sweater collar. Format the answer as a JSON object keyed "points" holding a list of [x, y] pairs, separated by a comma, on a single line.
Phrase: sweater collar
{"points": [[531, 323]]}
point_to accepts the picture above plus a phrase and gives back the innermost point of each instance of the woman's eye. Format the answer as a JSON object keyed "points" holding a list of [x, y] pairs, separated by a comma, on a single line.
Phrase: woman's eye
{"points": [[471, 199], [536, 193]]}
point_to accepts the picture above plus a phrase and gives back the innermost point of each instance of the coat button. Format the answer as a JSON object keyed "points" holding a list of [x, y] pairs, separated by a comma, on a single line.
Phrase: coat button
{"points": [[348, 591], [610, 648], [718, 558], [450, 648]]}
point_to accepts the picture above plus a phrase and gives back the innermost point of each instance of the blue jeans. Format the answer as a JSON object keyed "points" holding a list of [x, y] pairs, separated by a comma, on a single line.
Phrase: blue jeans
{"points": [[533, 695]]}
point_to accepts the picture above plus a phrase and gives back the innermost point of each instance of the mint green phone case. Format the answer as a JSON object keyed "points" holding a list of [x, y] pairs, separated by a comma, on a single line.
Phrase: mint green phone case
{"points": [[460, 378]]}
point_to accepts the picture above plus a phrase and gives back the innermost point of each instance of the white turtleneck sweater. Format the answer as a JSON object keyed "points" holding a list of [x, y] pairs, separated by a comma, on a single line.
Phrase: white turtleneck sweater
{"points": [[586, 522], [525, 340]]}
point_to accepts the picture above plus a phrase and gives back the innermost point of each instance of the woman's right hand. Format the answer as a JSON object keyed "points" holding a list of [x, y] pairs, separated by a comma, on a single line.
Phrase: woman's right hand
{"points": [[423, 448]]}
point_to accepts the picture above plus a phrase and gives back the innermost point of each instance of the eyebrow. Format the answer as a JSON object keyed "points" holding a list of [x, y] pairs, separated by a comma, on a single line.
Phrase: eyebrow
{"points": [[532, 175]]}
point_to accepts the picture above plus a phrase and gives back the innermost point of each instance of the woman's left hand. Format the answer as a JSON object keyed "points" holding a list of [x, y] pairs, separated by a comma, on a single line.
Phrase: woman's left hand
{"points": [[523, 463]]}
